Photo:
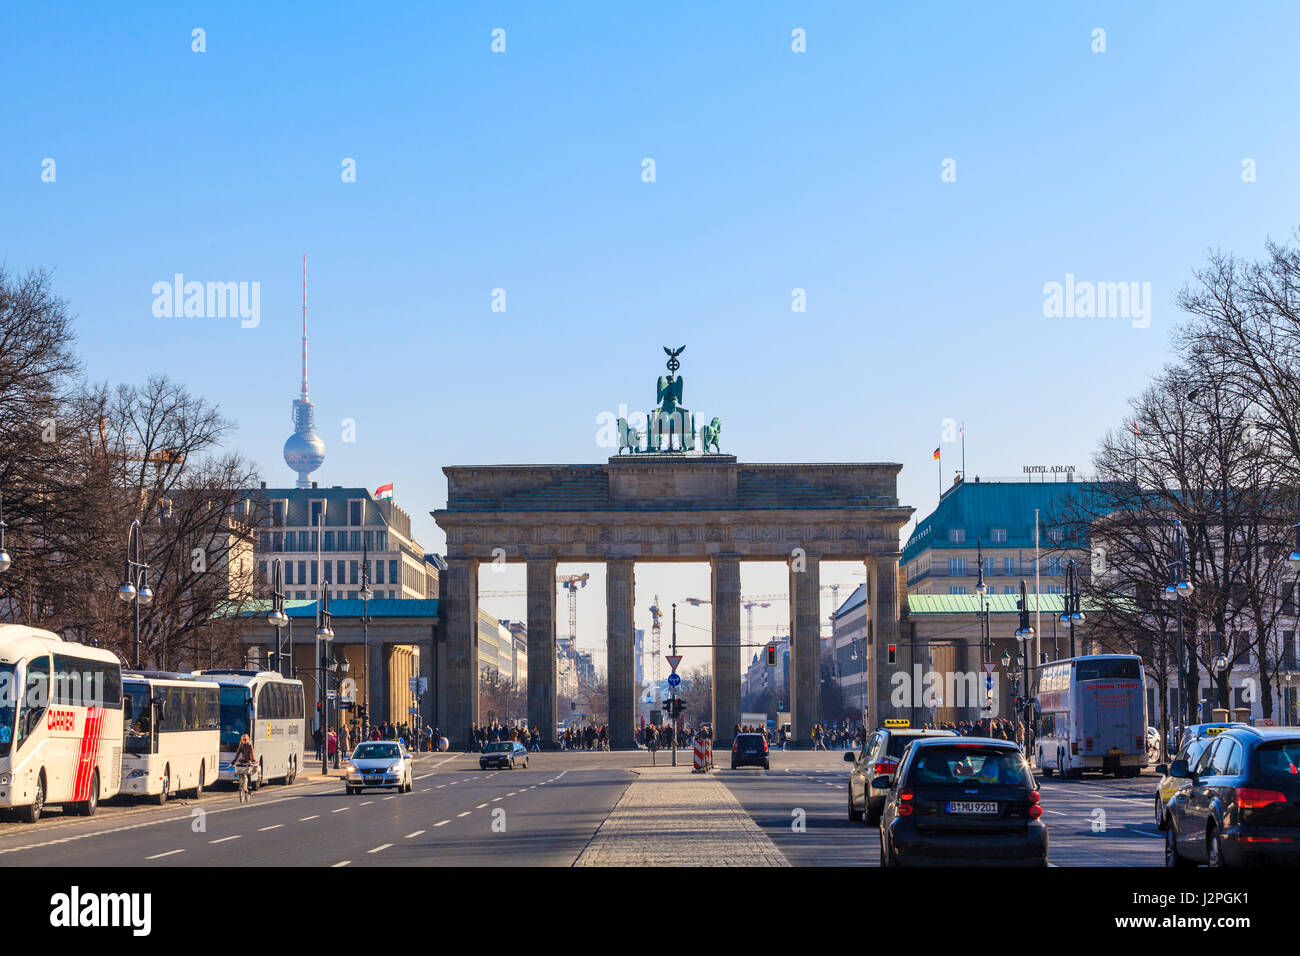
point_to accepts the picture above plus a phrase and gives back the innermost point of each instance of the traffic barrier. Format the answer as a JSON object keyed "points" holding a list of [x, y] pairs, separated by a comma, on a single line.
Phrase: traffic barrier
{"points": [[703, 756]]}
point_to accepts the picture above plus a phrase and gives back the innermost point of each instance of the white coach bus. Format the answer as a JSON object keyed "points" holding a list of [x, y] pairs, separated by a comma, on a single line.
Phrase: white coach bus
{"points": [[267, 707], [60, 722], [1092, 716], [171, 734]]}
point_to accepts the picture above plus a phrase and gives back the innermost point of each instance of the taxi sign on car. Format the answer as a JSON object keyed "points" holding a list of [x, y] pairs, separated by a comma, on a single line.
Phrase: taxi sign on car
{"points": [[898, 722]]}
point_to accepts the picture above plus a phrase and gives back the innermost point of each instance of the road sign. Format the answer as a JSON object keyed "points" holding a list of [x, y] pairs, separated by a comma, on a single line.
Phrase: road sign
{"points": [[414, 710], [414, 684], [673, 680], [988, 683], [673, 661], [329, 695], [989, 668]]}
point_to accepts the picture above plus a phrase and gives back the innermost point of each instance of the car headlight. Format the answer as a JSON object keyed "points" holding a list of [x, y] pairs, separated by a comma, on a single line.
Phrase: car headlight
{"points": [[353, 768], [395, 768], [6, 779]]}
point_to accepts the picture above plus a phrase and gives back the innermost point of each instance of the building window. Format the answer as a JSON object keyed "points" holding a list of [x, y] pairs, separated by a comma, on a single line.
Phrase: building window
{"points": [[301, 595], [379, 572], [279, 512], [1008, 565], [381, 540], [957, 536], [1055, 589], [1055, 535], [313, 572], [263, 571], [288, 573], [999, 535], [328, 577], [317, 512], [355, 512], [956, 567], [352, 572], [1011, 589], [1055, 566], [956, 589], [392, 573]]}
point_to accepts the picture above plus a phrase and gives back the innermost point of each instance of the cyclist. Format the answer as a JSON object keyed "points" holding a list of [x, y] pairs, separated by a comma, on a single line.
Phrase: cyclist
{"points": [[243, 763]]}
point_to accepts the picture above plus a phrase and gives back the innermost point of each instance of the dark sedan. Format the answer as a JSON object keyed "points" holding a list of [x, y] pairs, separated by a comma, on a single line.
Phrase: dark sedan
{"points": [[503, 754], [961, 801], [1241, 803]]}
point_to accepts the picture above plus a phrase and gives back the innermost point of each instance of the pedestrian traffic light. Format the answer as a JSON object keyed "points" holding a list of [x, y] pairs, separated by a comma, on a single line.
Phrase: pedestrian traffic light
{"points": [[893, 653], [771, 655]]}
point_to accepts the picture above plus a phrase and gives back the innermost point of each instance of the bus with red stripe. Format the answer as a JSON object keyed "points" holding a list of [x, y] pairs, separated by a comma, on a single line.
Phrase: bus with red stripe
{"points": [[60, 723]]}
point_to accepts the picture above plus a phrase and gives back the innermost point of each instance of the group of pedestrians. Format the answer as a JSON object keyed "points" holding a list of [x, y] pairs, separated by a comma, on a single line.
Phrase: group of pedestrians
{"points": [[589, 737], [480, 736], [998, 728]]}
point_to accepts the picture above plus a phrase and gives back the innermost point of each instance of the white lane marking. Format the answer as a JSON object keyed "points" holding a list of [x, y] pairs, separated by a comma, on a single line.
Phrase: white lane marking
{"points": [[273, 826], [305, 819], [367, 803], [340, 809], [1057, 812], [382, 846], [224, 839], [412, 836], [495, 799], [159, 856], [386, 798], [440, 786], [465, 814], [340, 863], [424, 789], [480, 806], [442, 823]]}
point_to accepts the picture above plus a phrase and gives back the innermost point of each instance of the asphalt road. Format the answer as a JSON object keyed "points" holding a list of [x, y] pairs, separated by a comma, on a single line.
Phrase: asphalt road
{"points": [[542, 816]]}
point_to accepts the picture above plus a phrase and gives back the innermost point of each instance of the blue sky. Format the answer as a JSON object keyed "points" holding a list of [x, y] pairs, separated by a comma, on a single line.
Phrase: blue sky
{"points": [[775, 170]]}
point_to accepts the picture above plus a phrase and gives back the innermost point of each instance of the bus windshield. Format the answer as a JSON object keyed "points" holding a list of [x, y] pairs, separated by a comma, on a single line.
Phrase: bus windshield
{"points": [[8, 700], [136, 718], [234, 716], [1108, 668]]}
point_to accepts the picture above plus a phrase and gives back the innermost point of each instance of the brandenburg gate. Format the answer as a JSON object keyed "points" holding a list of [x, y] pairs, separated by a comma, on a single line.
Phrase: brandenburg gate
{"points": [[667, 501]]}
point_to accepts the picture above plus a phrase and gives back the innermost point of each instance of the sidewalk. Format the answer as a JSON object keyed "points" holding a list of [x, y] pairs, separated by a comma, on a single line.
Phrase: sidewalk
{"points": [[671, 817]]}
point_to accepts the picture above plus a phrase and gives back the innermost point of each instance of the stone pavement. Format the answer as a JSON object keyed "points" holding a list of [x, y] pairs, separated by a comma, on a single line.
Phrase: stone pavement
{"points": [[671, 817]]}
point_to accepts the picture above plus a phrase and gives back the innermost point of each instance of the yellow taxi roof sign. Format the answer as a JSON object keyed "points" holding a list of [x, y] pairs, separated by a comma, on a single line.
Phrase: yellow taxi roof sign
{"points": [[1214, 731], [898, 722]]}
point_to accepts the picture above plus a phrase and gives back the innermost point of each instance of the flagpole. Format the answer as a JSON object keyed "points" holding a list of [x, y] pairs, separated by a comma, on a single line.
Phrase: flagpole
{"points": [[963, 451], [939, 461]]}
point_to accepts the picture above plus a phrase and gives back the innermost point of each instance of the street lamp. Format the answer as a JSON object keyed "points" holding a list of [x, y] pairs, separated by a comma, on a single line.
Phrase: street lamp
{"points": [[5, 560], [1179, 587], [135, 588], [324, 634], [1073, 611], [1024, 635], [1293, 558], [366, 595], [276, 617]]}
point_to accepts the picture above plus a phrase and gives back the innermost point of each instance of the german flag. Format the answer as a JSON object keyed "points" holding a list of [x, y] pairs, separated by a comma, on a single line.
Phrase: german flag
{"points": [[936, 454]]}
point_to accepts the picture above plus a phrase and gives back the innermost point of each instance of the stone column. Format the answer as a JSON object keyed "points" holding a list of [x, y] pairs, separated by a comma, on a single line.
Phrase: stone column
{"points": [[805, 647], [726, 645], [883, 570], [460, 593], [378, 703], [541, 648], [620, 648]]}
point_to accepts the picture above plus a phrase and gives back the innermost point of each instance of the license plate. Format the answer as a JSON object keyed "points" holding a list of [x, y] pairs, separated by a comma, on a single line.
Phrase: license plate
{"points": [[1115, 750], [972, 806], [373, 779]]}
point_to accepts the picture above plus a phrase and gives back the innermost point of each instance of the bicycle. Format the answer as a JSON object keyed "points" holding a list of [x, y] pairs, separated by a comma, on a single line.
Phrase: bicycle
{"points": [[244, 771]]}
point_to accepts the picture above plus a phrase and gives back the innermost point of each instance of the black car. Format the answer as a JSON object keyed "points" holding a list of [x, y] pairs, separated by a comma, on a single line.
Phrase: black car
{"points": [[1241, 803], [749, 750], [961, 801], [503, 754]]}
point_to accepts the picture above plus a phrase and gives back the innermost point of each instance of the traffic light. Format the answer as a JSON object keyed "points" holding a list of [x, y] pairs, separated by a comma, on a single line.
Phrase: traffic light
{"points": [[771, 655], [893, 653]]}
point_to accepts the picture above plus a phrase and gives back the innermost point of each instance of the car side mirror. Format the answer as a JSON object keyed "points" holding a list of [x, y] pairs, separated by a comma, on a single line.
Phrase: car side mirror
{"points": [[849, 757], [880, 783], [1179, 769], [1162, 768]]}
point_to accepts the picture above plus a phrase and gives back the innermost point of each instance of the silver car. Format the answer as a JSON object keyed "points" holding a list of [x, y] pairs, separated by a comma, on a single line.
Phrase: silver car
{"points": [[379, 763]]}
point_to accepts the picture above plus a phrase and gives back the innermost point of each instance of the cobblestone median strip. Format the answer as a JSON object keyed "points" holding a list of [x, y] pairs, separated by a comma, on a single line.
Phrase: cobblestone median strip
{"points": [[671, 817]]}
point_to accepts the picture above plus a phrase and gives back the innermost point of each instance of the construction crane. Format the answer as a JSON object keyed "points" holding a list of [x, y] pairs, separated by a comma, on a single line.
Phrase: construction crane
{"points": [[656, 616], [748, 602], [571, 583]]}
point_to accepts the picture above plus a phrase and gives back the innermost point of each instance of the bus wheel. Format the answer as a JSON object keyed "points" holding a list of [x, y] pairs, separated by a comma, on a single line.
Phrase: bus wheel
{"points": [[88, 807], [32, 813], [197, 792], [292, 773], [161, 798]]}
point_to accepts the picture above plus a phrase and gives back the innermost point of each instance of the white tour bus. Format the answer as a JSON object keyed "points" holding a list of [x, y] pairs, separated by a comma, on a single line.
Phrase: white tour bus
{"points": [[171, 727], [1092, 716], [267, 707], [60, 722]]}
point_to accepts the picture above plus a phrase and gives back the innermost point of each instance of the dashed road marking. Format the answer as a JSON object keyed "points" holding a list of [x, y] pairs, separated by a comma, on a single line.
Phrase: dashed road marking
{"points": [[412, 836], [340, 863], [305, 819], [273, 826], [382, 846], [465, 814], [442, 823], [159, 856], [224, 839]]}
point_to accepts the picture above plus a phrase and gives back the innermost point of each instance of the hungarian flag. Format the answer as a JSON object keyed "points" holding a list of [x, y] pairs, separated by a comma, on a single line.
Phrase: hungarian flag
{"points": [[384, 492], [936, 454]]}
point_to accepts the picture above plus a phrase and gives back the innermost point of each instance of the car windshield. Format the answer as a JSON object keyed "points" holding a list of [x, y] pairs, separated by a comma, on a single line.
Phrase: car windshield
{"points": [[376, 752], [1107, 668], [955, 766], [8, 698], [1279, 759], [234, 716], [136, 711], [898, 743], [499, 747]]}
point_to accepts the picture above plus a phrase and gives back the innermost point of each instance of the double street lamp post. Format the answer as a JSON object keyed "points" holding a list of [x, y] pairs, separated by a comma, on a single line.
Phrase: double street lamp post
{"points": [[1178, 588], [5, 560], [135, 588], [276, 617], [324, 634], [1025, 637], [986, 636], [1073, 613], [366, 595]]}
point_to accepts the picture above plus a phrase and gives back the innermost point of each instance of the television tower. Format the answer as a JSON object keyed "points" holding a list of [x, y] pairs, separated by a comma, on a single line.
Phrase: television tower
{"points": [[304, 452]]}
